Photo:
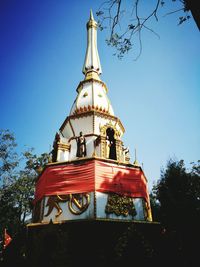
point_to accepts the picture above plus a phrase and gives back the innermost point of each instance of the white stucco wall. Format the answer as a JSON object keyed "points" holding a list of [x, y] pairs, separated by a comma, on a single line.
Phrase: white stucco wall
{"points": [[63, 155], [99, 122], [90, 146], [83, 124], [85, 96], [67, 131], [73, 150]]}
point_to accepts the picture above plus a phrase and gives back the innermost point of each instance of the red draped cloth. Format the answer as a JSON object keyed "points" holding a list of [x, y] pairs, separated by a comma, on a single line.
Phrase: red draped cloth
{"points": [[89, 176]]}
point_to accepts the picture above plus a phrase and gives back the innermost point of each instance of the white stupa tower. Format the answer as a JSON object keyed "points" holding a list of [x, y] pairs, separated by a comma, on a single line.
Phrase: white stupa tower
{"points": [[91, 113], [91, 169]]}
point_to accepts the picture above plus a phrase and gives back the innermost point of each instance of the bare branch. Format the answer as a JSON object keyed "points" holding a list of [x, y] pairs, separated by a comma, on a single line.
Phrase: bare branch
{"points": [[172, 12], [123, 40]]}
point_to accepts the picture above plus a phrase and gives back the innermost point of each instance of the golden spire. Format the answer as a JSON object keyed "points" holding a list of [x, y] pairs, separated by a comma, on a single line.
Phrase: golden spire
{"points": [[135, 161], [92, 66]]}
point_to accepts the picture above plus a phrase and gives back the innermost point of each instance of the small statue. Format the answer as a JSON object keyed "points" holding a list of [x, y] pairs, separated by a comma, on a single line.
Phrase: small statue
{"points": [[81, 146], [108, 145], [54, 151]]}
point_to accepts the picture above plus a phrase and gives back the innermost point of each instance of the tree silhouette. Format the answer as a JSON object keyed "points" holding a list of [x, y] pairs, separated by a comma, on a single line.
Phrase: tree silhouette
{"points": [[178, 193]]}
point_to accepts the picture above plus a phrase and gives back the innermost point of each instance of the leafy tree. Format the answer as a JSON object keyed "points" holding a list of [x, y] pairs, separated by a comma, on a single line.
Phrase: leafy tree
{"points": [[127, 21], [36, 163], [17, 180], [9, 159], [178, 193]]}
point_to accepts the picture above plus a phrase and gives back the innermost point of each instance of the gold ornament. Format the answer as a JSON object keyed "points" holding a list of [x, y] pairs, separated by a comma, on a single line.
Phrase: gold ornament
{"points": [[77, 203], [120, 205]]}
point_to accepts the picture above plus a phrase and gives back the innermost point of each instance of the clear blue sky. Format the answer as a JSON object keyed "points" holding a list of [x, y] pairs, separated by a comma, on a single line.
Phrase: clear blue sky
{"points": [[157, 97]]}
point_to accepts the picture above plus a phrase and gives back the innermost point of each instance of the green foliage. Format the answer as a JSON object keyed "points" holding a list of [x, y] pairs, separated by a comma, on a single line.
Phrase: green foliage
{"points": [[8, 157], [178, 196], [17, 179], [34, 162], [178, 192]]}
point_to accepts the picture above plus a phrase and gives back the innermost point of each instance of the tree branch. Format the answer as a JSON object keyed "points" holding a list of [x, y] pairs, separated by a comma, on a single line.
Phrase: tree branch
{"points": [[123, 40]]}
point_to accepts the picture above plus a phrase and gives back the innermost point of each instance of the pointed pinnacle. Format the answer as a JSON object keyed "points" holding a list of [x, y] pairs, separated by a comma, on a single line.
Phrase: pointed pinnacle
{"points": [[91, 15], [135, 161]]}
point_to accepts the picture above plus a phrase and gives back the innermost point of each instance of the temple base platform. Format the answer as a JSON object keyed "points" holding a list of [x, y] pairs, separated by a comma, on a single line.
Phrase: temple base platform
{"points": [[94, 243]]}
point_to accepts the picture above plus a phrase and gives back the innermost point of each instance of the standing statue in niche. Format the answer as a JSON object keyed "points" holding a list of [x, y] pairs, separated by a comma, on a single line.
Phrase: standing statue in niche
{"points": [[81, 146], [108, 145], [111, 143]]}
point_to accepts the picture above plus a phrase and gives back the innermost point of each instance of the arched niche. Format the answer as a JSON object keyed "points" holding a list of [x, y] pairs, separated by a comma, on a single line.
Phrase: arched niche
{"points": [[109, 132], [110, 138]]}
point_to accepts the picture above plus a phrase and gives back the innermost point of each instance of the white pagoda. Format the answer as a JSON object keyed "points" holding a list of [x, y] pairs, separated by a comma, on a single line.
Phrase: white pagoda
{"points": [[91, 176]]}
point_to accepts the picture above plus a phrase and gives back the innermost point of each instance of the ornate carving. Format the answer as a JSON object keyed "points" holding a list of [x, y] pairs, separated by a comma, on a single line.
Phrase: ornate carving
{"points": [[120, 205], [88, 108], [118, 149], [110, 125], [103, 147], [53, 202], [64, 147], [147, 211], [117, 143], [77, 203]]}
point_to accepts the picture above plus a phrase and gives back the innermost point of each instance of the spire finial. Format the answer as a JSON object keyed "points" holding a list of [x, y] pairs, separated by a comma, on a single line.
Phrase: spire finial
{"points": [[135, 161], [92, 66], [91, 15]]}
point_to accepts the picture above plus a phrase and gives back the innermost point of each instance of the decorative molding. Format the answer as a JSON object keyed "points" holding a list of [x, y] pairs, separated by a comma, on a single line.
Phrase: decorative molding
{"points": [[118, 148], [89, 108], [109, 125], [80, 86], [92, 93], [94, 113], [103, 147], [62, 146], [93, 123]]}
